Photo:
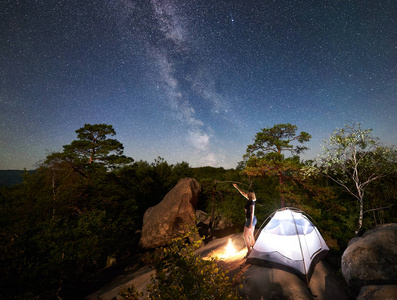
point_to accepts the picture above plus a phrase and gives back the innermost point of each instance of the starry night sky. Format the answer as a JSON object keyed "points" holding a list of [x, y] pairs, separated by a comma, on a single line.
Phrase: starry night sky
{"points": [[192, 80]]}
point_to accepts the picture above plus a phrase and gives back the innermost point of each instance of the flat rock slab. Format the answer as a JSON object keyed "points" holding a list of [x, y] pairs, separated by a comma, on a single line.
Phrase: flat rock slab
{"points": [[139, 278], [258, 282], [271, 283]]}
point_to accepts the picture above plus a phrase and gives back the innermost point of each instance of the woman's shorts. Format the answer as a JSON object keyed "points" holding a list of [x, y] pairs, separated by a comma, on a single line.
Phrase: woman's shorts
{"points": [[247, 222]]}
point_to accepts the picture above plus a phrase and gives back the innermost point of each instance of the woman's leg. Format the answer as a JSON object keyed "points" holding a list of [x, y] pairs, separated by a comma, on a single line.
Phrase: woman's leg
{"points": [[252, 231], [247, 239]]}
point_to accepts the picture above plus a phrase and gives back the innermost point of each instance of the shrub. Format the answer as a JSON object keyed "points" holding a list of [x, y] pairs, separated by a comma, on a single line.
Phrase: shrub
{"points": [[181, 274]]}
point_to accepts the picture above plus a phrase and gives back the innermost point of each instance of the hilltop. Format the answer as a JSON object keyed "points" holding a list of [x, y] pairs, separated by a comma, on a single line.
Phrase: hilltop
{"points": [[11, 177]]}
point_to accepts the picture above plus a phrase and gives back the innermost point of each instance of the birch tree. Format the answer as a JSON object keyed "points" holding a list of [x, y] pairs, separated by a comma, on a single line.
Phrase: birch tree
{"points": [[353, 159]]}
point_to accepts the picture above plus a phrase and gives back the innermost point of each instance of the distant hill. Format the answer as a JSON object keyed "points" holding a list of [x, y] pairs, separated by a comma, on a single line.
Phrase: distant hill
{"points": [[11, 177]]}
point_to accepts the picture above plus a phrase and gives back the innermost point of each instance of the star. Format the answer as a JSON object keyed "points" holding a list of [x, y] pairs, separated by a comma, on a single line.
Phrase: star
{"points": [[184, 82]]}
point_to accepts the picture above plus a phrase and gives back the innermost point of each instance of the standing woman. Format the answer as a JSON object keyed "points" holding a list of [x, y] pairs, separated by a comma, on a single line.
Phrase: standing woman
{"points": [[250, 219]]}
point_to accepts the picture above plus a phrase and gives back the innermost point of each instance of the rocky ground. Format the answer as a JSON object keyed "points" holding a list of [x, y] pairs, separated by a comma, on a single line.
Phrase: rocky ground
{"points": [[259, 282], [369, 264]]}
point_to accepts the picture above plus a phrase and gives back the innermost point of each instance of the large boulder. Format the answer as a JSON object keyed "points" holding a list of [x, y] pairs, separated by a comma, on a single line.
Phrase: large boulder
{"points": [[166, 220], [272, 283], [372, 258], [378, 292]]}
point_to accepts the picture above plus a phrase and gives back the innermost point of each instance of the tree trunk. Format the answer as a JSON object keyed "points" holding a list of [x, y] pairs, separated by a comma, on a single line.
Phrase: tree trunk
{"points": [[360, 219], [281, 182], [212, 211], [374, 215], [54, 195]]}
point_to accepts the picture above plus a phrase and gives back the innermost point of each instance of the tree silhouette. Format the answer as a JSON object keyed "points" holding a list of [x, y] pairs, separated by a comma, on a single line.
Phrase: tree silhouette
{"points": [[265, 157], [94, 145]]}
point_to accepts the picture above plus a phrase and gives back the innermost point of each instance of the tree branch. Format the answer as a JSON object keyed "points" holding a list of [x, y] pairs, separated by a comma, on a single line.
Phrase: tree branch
{"points": [[343, 185], [374, 209]]}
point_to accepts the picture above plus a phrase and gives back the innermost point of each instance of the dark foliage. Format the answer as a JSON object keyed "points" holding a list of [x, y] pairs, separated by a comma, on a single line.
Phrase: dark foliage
{"points": [[66, 223], [181, 274], [11, 177]]}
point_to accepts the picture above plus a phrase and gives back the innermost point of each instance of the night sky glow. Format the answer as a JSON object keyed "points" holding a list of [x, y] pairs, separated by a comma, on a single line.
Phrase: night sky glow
{"points": [[192, 80]]}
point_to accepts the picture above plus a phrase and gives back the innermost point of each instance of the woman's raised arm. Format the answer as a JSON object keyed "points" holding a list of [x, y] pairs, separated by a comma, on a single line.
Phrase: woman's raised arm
{"points": [[241, 192]]}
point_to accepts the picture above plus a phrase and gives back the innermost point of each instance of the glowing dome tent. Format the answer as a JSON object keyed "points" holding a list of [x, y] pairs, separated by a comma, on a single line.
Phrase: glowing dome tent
{"points": [[291, 242]]}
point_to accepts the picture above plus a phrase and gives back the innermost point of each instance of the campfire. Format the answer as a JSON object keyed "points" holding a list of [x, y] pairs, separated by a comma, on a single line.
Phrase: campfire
{"points": [[228, 252]]}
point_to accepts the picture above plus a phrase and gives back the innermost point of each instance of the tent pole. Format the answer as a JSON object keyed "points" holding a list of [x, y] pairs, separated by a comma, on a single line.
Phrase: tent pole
{"points": [[300, 245]]}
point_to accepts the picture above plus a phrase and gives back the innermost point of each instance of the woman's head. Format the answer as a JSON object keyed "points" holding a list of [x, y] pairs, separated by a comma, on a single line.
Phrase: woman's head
{"points": [[251, 195]]}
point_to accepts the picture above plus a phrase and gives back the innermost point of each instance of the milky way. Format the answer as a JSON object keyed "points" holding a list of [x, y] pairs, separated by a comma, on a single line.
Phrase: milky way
{"points": [[192, 80]]}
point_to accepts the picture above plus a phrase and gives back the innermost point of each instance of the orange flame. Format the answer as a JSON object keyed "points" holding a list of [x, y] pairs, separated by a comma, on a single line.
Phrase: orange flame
{"points": [[230, 250], [227, 253]]}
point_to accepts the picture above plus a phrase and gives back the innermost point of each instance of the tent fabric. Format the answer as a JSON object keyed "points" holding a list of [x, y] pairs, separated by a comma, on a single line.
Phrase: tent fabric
{"points": [[289, 241]]}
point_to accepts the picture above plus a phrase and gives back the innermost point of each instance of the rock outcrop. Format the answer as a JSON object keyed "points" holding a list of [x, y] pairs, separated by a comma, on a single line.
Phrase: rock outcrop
{"points": [[220, 226], [371, 259], [166, 220], [378, 292], [272, 283], [258, 282]]}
